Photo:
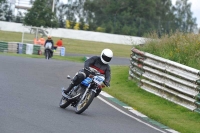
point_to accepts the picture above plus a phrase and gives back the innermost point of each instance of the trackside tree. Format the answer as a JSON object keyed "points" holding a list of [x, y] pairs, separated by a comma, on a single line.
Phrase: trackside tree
{"points": [[133, 17], [41, 15], [6, 13]]}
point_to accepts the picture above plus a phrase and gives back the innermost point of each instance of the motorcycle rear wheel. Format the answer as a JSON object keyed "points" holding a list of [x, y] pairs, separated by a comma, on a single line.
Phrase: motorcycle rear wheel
{"points": [[83, 105], [64, 103]]}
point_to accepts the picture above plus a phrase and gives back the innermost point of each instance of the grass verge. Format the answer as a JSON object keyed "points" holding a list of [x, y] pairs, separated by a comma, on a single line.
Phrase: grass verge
{"points": [[179, 47], [75, 46], [159, 109]]}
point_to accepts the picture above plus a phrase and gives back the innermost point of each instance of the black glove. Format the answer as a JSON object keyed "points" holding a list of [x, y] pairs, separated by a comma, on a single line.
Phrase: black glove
{"points": [[88, 72], [107, 83]]}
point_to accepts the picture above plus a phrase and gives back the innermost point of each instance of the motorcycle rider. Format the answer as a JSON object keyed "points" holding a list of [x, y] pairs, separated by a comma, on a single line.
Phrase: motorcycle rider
{"points": [[49, 44], [100, 63]]}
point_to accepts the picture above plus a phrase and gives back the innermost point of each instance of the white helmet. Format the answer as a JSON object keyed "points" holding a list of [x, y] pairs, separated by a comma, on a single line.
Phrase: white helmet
{"points": [[106, 56]]}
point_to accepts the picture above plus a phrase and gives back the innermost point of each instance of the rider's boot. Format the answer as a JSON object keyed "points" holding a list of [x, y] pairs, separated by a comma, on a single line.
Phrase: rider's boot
{"points": [[76, 80], [97, 92], [69, 88]]}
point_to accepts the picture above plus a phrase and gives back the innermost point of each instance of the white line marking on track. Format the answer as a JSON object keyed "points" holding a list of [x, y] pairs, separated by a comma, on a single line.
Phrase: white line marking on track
{"points": [[129, 115], [106, 94], [172, 131], [136, 112]]}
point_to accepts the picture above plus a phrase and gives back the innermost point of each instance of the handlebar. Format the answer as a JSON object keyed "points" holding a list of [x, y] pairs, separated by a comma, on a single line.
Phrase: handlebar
{"points": [[93, 71]]}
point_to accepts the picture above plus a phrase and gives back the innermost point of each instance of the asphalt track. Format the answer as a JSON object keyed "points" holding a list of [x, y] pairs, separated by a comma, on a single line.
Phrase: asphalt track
{"points": [[30, 91]]}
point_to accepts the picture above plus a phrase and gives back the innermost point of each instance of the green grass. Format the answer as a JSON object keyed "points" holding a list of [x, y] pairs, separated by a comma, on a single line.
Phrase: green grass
{"points": [[178, 47], [161, 110], [74, 46]]}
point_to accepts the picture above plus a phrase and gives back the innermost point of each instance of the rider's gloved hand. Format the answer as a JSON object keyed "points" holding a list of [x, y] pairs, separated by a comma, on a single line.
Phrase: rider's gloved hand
{"points": [[107, 83], [88, 72]]}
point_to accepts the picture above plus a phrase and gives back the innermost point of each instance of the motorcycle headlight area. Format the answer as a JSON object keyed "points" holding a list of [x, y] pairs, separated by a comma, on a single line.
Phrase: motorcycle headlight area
{"points": [[99, 79]]}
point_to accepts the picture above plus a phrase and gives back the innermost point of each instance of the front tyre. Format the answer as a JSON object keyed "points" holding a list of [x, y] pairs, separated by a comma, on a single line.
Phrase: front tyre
{"points": [[83, 105], [64, 103], [47, 54]]}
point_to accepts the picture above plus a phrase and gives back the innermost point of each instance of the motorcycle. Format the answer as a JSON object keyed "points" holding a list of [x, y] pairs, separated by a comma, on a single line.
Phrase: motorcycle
{"points": [[82, 95], [48, 53]]}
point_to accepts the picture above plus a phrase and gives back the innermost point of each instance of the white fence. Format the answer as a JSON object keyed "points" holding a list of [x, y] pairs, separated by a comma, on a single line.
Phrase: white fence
{"points": [[77, 34], [170, 80]]}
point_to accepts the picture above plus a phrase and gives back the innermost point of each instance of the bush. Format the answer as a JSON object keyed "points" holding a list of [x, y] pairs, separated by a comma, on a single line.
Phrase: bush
{"points": [[179, 47]]}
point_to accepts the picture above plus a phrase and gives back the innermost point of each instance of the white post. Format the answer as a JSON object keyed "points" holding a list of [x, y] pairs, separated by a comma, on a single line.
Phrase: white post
{"points": [[23, 36], [53, 5], [36, 33]]}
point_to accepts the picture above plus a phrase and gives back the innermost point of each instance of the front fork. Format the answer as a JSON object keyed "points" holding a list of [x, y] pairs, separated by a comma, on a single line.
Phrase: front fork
{"points": [[86, 91]]}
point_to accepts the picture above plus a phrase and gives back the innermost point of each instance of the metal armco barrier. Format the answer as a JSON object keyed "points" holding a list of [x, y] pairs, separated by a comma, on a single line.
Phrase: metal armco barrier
{"points": [[167, 79]]}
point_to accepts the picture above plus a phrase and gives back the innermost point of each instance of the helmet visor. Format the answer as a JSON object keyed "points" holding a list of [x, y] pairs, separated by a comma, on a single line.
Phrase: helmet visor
{"points": [[106, 58]]}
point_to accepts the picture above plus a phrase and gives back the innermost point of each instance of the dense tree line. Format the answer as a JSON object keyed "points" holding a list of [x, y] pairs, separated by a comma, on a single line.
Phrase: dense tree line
{"points": [[133, 17], [41, 14], [128, 17]]}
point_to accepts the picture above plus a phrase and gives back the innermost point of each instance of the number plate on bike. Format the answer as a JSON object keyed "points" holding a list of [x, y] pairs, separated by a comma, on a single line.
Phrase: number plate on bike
{"points": [[98, 79]]}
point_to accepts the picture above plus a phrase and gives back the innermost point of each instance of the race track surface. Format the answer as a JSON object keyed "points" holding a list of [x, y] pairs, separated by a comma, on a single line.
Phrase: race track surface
{"points": [[30, 91]]}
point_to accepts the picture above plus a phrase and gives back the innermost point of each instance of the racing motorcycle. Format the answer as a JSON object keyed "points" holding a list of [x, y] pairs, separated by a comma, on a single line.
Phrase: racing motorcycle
{"points": [[82, 95]]}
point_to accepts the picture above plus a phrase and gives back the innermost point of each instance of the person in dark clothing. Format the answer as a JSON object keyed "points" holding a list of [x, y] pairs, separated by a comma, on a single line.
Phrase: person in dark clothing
{"points": [[49, 44], [100, 63]]}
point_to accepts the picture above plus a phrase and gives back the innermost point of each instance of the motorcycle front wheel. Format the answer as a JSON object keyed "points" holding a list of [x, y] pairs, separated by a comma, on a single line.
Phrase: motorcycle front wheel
{"points": [[47, 54], [64, 103], [83, 104]]}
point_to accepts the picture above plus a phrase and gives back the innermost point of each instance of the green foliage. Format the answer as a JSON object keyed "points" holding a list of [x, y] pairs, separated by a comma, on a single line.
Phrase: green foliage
{"points": [[19, 17], [41, 15], [99, 29], [179, 47], [60, 12], [184, 16], [76, 25], [133, 17], [6, 13]]}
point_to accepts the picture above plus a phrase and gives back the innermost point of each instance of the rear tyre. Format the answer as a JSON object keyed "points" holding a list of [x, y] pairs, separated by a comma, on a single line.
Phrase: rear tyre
{"points": [[84, 104], [64, 103]]}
